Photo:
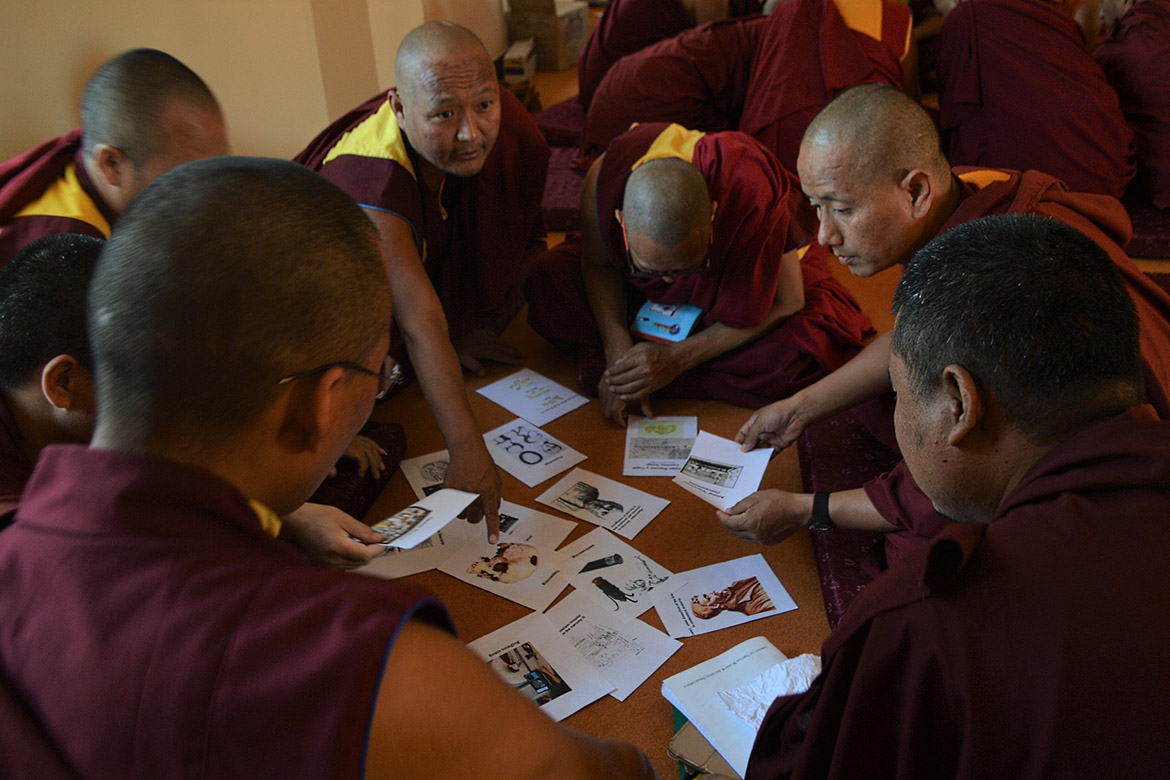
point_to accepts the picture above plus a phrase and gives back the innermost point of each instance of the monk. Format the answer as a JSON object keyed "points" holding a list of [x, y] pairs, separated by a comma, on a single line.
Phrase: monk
{"points": [[760, 75], [878, 205], [1019, 412], [1019, 89], [810, 52], [675, 216], [142, 113], [141, 571], [628, 26], [451, 170], [1136, 58]]}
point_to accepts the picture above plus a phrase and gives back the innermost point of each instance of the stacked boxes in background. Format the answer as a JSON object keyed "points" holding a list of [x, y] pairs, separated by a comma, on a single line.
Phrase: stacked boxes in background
{"points": [[559, 28]]}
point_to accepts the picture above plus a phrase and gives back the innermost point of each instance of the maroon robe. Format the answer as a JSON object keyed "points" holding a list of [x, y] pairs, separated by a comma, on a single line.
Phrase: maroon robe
{"points": [[1136, 60], [157, 631], [752, 229], [25, 178], [1033, 646], [476, 257], [1017, 89], [697, 79], [14, 466], [895, 495], [807, 56], [628, 26]]}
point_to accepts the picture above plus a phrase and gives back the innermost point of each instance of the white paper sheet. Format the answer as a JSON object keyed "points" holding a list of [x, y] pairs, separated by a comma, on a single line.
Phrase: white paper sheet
{"points": [[425, 474], [536, 398], [532, 656], [408, 527], [751, 701], [625, 652], [424, 556], [521, 524], [658, 446], [719, 473], [518, 571], [723, 595], [591, 497], [615, 576], [528, 453]]}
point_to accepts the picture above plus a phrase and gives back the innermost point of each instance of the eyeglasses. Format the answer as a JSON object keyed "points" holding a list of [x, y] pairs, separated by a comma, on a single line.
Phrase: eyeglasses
{"points": [[637, 272], [389, 377]]}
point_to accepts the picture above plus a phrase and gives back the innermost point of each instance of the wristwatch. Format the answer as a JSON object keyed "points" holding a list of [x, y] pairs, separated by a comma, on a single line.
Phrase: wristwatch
{"points": [[820, 522]]}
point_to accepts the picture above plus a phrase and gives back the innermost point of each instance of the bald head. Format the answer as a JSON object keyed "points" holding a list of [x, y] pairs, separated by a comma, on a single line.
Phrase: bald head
{"points": [[886, 133], [223, 277], [432, 46], [667, 201], [124, 102]]}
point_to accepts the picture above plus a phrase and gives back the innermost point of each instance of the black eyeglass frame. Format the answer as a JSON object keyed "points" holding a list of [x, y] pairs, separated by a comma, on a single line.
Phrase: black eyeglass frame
{"points": [[389, 377], [637, 272]]}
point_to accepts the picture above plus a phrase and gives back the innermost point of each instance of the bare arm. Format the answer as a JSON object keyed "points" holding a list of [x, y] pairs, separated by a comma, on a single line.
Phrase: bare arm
{"points": [[771, 516], [443, 713], [864, 377], [424, 327]]}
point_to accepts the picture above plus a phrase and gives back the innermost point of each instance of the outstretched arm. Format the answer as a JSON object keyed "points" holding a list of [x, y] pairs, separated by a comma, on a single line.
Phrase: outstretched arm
{"points": [[424, 327], [771, 516]]}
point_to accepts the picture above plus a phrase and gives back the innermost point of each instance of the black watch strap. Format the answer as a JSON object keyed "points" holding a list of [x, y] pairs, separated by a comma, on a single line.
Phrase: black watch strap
{"points": [[820, 522]]}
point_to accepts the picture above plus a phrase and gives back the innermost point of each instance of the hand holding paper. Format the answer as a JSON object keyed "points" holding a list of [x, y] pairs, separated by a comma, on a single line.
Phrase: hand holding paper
{"points": [[719, 473], [768, 517]]}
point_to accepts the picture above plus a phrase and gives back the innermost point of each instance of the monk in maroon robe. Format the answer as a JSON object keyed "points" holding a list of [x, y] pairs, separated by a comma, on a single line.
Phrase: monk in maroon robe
{"points": [[983, 654], [1136, 58], [773, 317], [878, 205], [143, 113], [1019, 89], [628, 26], [810, 52]]}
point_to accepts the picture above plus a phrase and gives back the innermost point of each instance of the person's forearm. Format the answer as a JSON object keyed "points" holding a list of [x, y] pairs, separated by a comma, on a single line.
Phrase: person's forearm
{"points": [[852, 509], [864, 377], [719, 339], [441, 379], [606, 290]]}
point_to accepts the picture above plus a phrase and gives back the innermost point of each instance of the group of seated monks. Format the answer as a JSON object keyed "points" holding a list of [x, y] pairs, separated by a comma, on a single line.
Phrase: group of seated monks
{"points": [[190, 341]]}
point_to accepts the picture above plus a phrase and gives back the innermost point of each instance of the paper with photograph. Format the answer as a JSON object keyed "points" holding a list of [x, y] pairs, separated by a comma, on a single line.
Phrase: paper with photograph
{"points": [[658, 446], [723, 595], [408, 527], [625, 652], [536, 398], [518, 571], [528, 453], [615, 576], [591, 497], [719, 473], [521, 524], [425, 474], [426, 555], [532, 656]]}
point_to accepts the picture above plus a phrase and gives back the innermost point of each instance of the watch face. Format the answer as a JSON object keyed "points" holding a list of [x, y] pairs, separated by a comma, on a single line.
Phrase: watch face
{"points": [[820, 526]]}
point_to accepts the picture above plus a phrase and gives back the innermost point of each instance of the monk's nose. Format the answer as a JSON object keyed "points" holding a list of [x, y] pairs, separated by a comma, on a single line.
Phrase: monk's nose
{"points": [[469, 130], [827, 234]]}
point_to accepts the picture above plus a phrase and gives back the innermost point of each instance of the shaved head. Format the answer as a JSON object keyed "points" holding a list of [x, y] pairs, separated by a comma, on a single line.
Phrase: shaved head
{"points": [[667, 201], [886, 132], [431, 45], [224, 276]]}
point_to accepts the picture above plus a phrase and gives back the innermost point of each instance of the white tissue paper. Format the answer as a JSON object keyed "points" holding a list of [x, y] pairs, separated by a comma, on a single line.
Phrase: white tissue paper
{"points": [[750, 701]]}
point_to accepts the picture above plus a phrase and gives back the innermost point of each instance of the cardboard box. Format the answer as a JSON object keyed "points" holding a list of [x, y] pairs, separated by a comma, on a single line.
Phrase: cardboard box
{"points": [[520, 61], [559, 27]]}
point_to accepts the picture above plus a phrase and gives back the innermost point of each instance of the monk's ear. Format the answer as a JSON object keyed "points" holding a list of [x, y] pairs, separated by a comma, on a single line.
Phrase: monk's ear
{"points": [[396, 105], [309, 412], [112, 164], [919, 185], [966, 404], [61, 382]]}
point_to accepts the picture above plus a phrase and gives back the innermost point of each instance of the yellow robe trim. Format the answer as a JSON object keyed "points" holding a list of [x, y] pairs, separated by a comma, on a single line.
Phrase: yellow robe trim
{"points": [[268, 519], [66, 198], [863, 16], [984, 176], [674, 141], [377, 136]]}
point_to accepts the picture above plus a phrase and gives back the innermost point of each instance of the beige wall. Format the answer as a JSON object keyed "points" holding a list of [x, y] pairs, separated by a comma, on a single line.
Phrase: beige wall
{"points": [[282, 69]]}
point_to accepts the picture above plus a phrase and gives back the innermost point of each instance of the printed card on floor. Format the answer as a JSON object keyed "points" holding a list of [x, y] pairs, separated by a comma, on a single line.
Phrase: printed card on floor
{"points": [[615, 576], [723, 595], [591, 497], [425, 474], [532, 656], [528, 453], [626, 652], [536, 398], [658, 446], [521, 524], [518, 571], [424, 556], [719, 473], [408, 527]]}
